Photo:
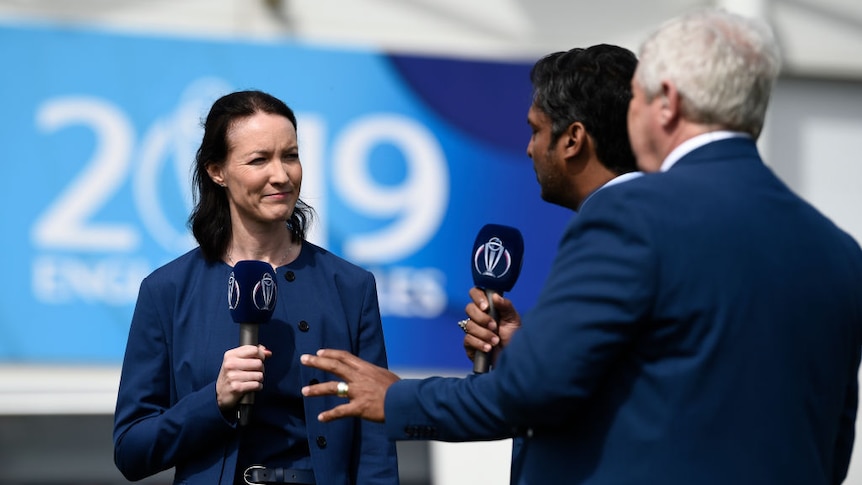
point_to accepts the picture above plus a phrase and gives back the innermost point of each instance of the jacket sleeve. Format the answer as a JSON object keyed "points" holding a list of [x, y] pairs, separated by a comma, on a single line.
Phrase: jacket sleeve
{"points": [[152, 430], [446, 409]]}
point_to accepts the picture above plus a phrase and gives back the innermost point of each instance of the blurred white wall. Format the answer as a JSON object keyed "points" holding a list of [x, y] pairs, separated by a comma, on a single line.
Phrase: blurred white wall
{"points": [[818, 37]]}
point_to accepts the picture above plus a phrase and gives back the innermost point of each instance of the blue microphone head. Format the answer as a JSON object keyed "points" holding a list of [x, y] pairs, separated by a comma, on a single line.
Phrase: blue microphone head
{"points": [[497, 256], [251, 292]]}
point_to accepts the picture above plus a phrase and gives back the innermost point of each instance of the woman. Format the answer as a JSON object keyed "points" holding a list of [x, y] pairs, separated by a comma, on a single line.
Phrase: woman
{"points": [[184, 374]]}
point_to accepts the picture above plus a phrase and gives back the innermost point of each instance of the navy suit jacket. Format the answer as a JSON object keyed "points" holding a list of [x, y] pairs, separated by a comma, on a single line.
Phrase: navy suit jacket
{"points": [[166, 414], [699, 326]]}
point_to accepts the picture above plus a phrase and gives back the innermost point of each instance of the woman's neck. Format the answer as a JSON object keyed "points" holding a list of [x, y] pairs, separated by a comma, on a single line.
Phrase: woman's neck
{"points": [[276, 249]]}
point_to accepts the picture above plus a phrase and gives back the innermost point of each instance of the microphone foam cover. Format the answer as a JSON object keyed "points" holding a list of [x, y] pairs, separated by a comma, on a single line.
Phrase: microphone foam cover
{"points": [[251, 292], [497, 256]]}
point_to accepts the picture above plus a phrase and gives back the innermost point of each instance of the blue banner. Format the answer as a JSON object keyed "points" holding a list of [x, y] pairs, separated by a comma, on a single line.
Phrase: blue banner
{"points": [[405, 158]]}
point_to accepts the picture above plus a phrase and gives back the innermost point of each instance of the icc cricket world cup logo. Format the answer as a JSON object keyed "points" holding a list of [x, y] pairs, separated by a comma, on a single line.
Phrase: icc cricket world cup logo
{"points": [[232, 292], [492, 259], [263, 294]]}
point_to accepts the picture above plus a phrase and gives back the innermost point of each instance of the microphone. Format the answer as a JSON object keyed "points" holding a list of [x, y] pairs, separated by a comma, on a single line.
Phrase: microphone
{"points": [[497, 256], [251, 295]]}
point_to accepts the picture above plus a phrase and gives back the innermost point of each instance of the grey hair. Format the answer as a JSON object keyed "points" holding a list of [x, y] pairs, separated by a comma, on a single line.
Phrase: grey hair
{"points": [[722, 64]]}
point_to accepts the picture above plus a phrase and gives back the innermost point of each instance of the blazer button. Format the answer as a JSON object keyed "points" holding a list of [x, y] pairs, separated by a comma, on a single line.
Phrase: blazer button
{"points": [[289, 276], [313, 382], [303, 326], [321, 442]]}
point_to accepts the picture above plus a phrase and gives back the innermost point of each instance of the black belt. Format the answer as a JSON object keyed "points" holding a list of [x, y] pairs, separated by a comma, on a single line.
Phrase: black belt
{"points": [[257, 474]]}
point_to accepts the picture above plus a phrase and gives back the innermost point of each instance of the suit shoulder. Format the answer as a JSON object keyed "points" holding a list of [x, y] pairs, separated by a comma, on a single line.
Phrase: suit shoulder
{"points": [[181, 268], [333, 263]]}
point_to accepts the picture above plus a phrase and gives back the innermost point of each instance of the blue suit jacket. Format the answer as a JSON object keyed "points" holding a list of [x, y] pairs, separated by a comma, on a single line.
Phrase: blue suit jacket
{"points": [[166, 413], [701, 325]]}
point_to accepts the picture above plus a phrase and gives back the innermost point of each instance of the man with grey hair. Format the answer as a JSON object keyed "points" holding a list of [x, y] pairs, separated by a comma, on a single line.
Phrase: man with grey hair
{"points": [[701, 324], [714, 69], [753, 340]]}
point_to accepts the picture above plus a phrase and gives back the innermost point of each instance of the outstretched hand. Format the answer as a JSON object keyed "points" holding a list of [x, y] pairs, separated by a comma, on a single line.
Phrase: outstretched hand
{"points": [[366, 383]]}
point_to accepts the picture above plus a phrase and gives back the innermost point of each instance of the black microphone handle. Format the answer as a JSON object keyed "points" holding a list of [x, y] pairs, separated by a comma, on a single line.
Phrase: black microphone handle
{"points": [[482, 360], [247, 336]]}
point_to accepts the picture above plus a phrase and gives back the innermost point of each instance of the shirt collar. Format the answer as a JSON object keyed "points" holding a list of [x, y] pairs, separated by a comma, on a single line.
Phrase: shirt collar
{"points": [[698, 141], [616, 180], [621, 178]]}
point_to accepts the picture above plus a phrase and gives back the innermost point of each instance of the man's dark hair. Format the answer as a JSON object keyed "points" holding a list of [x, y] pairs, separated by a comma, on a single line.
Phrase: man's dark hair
{"points": [[593, 86], [210, 219]]}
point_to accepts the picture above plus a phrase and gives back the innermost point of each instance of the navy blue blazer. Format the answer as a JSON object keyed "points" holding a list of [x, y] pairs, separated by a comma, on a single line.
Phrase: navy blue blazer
{"points": [[166, 414], [701, 325]]}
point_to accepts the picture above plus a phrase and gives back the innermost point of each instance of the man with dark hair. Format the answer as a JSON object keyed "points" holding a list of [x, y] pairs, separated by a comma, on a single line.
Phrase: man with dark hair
{"points": [[579, 145], [590, 86]]}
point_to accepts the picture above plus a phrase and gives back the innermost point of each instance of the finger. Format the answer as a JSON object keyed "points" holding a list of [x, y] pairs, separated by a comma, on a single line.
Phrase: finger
{"points": [[479, 299], [322, 389], [476, 343], [338, 362], [325, 364], [247, 354], [264, 352], [342, 356], [484, 333], [480, 318], [244, 364], [341, 411], [248, 351], [242, 382], [245, 375]]}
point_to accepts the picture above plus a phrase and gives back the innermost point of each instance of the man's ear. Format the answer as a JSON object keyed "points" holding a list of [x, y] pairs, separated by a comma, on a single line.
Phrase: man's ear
{"points": [[573, 139], [670, 103]]}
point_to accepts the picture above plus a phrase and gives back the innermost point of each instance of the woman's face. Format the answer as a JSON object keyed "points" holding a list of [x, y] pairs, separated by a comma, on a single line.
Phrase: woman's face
{"points": [[262, 174]]}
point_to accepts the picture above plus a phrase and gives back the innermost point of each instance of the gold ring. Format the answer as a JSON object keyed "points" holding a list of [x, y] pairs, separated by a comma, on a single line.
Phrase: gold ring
{"points": [[341, 389]]}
